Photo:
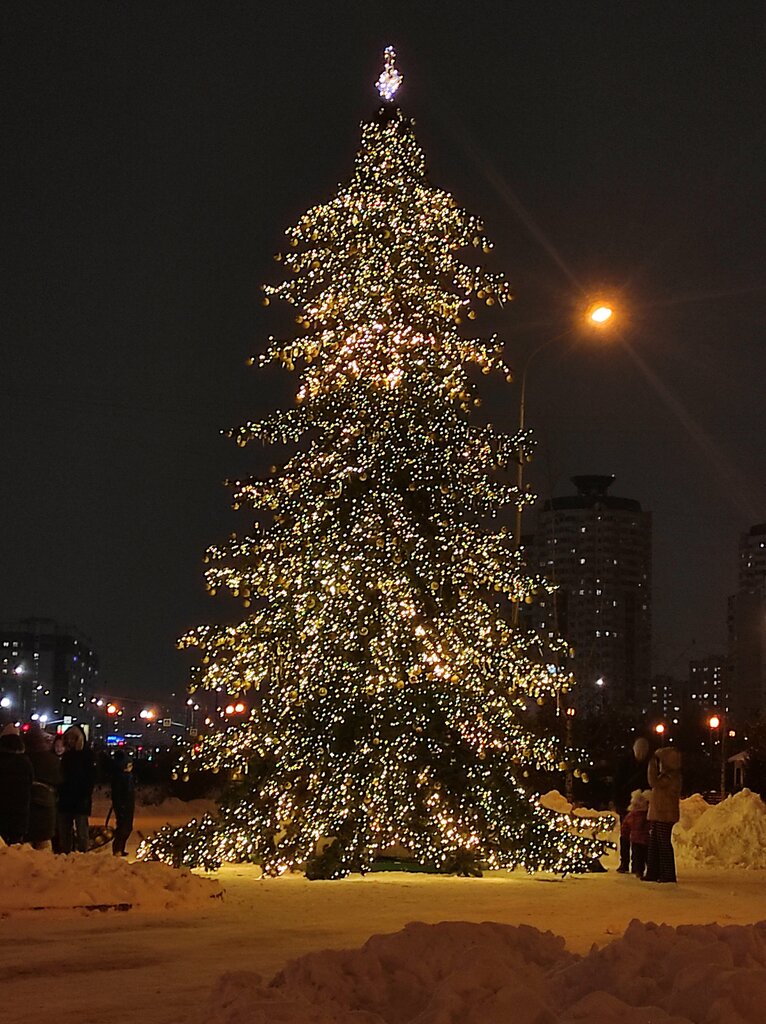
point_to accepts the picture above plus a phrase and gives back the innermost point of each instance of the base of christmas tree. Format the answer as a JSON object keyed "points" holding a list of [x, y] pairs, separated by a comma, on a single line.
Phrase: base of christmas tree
{"points": [[397, 864]]}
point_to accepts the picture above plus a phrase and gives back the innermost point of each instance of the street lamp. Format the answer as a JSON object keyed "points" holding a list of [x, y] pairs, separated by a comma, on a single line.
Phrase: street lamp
{"points": [[568, 782], [599, 315], [715, 722]]}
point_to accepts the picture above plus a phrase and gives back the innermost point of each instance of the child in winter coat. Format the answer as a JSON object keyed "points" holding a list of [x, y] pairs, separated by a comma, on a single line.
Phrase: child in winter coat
{"points": [[635, 828]]}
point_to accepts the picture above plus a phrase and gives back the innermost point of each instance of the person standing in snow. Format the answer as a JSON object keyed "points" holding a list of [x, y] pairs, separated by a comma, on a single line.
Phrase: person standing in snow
{"points": [[15, 788], [664, 812], [630, 775], [46, 769], [123, 800], [635, 828], [75, 791]]}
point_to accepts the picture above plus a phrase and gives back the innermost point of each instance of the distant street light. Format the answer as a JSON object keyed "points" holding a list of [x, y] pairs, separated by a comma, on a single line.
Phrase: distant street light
{"points": [[660, 728], [715, 722]]}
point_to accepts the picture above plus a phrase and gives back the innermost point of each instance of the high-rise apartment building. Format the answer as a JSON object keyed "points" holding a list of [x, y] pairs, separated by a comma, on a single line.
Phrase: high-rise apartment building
{"points": [[668, 696], [708, 686], [747, 629], [45, 670], [598, 549]]}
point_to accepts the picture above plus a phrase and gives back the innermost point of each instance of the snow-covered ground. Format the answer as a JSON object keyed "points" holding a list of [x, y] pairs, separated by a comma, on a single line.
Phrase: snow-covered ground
{"points": [[166, 966]]}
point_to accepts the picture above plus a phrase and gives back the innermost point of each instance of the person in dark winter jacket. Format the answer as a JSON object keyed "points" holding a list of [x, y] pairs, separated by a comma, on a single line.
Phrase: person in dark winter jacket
{"points": [[46, 769], [123, 800], [631, 774], [635, 828], [15, 789], [75, 791]]}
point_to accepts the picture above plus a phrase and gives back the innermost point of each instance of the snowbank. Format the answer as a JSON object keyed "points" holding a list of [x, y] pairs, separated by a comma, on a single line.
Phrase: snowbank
{"points": [[506, 974], [729, 834], [554, 801], [32, 879]]}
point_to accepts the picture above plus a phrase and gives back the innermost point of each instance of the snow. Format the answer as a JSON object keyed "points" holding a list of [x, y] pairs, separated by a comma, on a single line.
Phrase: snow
{"points": [[179, 957], [493, 973], [554, 801], [729, 834], [35, 879]]}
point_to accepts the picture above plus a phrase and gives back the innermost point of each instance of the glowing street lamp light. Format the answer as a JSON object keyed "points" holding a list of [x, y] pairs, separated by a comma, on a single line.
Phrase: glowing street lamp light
{"points": [[660, 728], [713, 722], [600, 313]]}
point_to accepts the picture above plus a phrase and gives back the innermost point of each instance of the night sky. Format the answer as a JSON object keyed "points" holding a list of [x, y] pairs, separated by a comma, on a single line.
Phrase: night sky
{"points": [[153, 154]]}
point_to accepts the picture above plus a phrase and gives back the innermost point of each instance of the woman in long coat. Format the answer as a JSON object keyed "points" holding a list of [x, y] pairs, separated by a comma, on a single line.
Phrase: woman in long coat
{"points": [[664, 811]]}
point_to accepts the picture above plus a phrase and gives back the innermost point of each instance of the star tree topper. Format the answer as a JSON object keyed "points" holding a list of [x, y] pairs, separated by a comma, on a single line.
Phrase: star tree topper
{"points": [[390, 78]]}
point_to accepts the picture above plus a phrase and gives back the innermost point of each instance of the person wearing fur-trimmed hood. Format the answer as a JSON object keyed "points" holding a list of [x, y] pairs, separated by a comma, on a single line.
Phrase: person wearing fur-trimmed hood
{"points": [[664, 811], [75, 791]]}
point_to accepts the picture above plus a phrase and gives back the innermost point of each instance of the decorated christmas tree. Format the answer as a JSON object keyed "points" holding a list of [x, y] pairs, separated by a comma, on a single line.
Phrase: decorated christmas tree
{"points": [[387, 687]]}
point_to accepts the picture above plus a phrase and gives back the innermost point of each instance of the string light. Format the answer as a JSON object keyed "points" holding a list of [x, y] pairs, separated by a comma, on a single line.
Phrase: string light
{"points": [[387, 690]]}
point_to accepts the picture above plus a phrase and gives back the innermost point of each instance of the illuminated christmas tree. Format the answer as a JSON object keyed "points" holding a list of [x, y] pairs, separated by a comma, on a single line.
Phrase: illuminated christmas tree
{"points": [[388, 687]]}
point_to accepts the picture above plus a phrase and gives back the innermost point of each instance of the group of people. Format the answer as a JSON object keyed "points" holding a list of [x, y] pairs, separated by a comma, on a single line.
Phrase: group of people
{"points": [[46, 790], [647, 797]]}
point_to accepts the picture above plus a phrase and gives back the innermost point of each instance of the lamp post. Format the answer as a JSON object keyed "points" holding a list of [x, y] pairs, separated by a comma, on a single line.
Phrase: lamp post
{"points": [[569, 779], [598, 315], [716, 724]]}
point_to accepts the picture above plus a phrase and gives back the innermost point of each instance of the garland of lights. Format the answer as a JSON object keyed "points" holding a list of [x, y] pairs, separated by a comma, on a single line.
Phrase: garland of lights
{"points": [[388, 688]]}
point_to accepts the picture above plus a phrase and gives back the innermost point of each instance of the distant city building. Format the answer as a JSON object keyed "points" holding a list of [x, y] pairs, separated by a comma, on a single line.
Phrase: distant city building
{"points": [[709, 683], [668, 696], [598, 550], [752, 557], [747, 629], [45, 670]]}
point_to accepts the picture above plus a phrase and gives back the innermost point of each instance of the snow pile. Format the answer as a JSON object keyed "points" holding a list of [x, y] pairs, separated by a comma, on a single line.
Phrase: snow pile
{"points": [[31, 879], [692, 808], [729, 834], [554, 801], [504, 974], [435, 973], [656, 974]]}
